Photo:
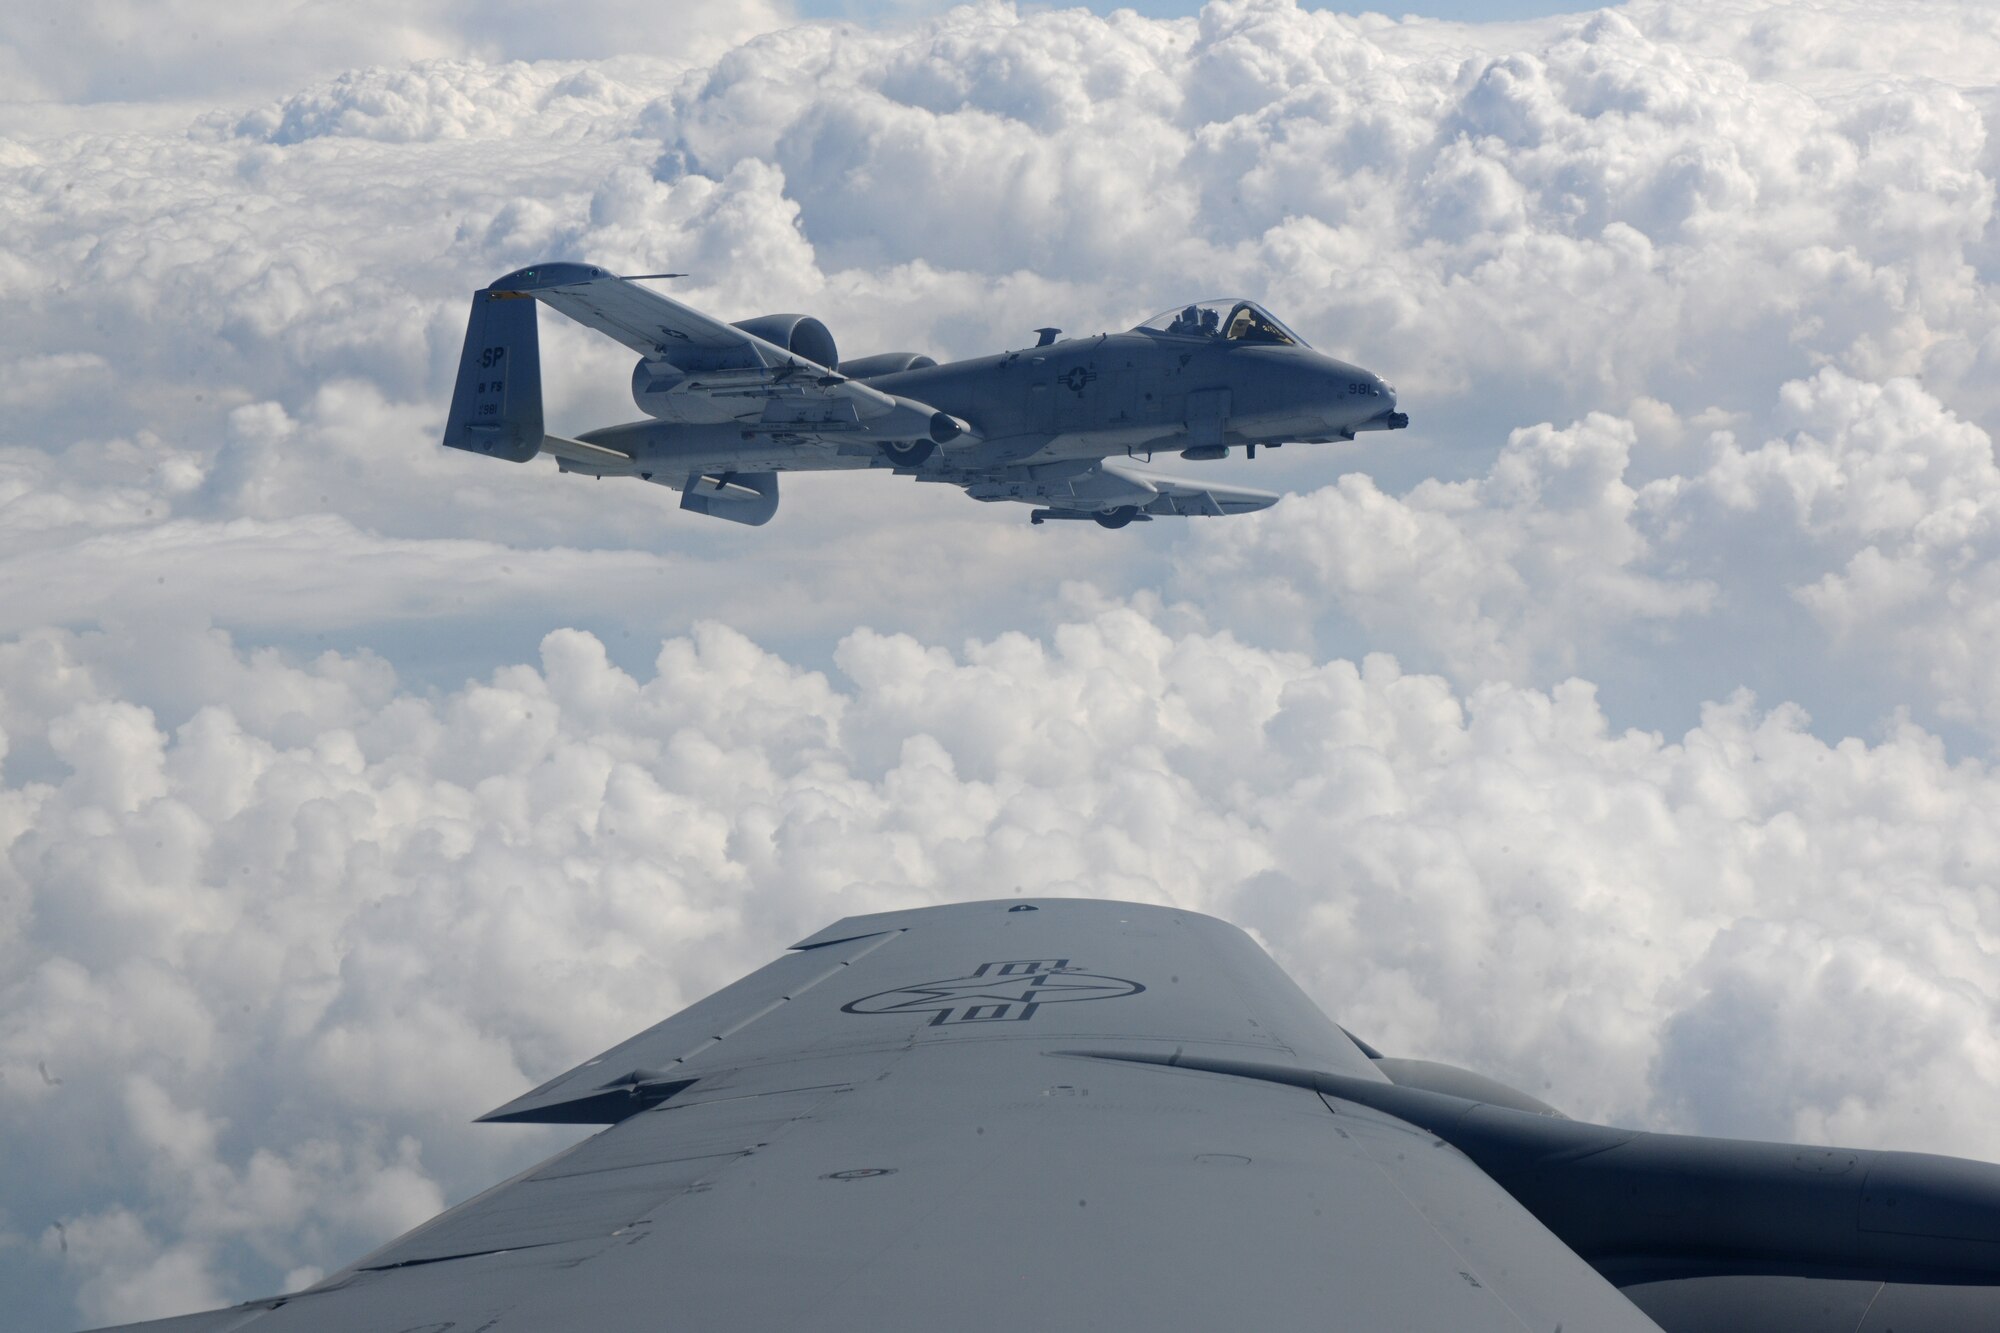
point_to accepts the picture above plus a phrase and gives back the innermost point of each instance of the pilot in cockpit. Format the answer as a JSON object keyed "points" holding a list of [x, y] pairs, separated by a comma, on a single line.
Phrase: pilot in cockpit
{"points": [[1246, 322]]}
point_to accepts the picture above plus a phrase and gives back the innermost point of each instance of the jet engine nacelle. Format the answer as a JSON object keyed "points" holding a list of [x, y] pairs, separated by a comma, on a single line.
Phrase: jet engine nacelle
{"points": [[654, 381], [884, 363], [801, 335], [653, 389]]}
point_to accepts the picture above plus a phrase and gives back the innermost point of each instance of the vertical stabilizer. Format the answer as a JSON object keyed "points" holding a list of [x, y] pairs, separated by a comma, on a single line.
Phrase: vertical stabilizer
{"points": [[496, 407]]}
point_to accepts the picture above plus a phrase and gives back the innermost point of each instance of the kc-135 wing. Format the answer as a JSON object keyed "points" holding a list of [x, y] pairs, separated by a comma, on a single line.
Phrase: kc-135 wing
{"points": [[1093, 1115]]}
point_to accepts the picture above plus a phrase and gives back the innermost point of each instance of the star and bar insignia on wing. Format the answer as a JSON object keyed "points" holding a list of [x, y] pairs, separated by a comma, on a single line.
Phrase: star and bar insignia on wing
{"points": [[1007, 991]]}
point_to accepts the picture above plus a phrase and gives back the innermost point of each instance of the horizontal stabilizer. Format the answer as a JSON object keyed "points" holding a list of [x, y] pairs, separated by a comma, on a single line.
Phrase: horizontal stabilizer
{"points": [[740, 497], [584, 452]]}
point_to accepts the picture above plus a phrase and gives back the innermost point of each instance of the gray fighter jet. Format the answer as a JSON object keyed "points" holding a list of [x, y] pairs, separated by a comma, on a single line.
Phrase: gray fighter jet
{"points": [[1061, 1114], [1056, 425]]}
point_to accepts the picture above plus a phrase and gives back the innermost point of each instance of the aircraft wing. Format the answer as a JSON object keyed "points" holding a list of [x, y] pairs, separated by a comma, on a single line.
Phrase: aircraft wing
{"points": [[649, 322], [1052, 1113], [709, 371], [1110, 488], [975, 1117], [696, 371]]}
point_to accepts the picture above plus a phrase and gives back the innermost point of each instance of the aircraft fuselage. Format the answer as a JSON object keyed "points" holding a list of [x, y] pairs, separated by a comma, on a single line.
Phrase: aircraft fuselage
{"points": [[1139, 391], [1115, 394], [730, 406]]}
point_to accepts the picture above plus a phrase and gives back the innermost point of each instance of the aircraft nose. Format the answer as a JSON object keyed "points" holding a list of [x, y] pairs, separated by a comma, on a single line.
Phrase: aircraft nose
{"points": [[1359, 399], [1377, 403]]}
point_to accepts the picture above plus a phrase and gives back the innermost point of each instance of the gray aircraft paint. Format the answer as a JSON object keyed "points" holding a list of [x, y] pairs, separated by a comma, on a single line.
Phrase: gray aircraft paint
{"points": [[1076, 1114], [1042, 425]]}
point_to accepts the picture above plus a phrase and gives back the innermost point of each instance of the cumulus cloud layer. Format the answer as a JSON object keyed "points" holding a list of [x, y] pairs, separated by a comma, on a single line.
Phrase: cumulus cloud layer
{"points": [[328, 755], [135, 50], [1641, 229], [264, 961], [1868, 532]]}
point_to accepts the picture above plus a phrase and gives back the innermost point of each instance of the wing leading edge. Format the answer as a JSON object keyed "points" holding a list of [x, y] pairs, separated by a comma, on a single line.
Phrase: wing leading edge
{"points": [[1106, 1115], [888, 1127]]}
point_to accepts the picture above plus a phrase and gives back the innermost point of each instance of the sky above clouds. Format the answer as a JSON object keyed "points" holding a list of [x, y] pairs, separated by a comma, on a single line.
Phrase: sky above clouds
{"points": [[1625, 729], [1473, 11]]}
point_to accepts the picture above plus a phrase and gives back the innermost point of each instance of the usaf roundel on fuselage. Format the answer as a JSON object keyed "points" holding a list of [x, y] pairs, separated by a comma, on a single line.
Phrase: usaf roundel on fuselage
{"points": [[730, 406]]}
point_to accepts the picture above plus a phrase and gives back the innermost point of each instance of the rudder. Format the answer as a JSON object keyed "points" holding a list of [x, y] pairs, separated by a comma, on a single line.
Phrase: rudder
{"points": [[496, 407]]}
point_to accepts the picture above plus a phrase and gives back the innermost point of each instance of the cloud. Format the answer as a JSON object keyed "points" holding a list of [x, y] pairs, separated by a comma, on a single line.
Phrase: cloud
{"points": [[1611, 190], [1624, 728], [244, 328], [128, 50], [1506, 577], [277, 962], [1876, 513], [1903, 499]]}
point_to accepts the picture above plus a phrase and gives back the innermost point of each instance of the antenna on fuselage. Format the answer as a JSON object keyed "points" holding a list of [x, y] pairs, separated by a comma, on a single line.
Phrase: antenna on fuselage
{"points": [[1047, 336]]}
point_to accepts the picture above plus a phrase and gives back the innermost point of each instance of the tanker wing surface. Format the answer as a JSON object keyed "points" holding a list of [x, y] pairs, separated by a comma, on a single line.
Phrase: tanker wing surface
{"points": [[1100, 1115], [891, 1127]]}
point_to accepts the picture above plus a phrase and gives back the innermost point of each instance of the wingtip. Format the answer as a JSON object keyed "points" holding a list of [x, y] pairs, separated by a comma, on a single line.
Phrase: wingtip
{"points": [[536, 277]]}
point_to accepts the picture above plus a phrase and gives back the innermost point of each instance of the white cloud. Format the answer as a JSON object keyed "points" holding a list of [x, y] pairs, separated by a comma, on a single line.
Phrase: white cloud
{"points": [[1505, 577], [131, 50], [1535, 223], [1877, 511], [1693, 307], [280, 971]]}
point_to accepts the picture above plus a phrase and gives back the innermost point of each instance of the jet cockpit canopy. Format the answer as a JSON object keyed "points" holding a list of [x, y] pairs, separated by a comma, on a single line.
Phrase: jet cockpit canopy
{"points": [[1225, 319]]}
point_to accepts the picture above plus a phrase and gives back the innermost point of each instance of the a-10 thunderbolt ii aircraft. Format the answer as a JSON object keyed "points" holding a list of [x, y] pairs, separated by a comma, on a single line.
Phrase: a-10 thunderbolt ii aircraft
{"points": [[1056, 425], [1060, 1114]]}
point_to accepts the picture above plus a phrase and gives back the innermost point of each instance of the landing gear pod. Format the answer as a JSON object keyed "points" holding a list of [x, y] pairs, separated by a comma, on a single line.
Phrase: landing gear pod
{"points": [[913, 454], [942, 428], [945, 428]]}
